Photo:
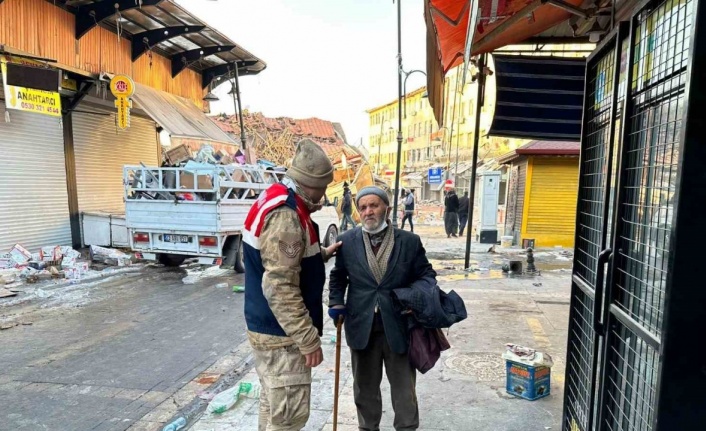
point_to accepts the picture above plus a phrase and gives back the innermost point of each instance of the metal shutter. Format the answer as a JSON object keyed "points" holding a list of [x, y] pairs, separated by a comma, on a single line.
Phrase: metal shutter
{"points": [[551, 215], [34, 204], [101, 152]]}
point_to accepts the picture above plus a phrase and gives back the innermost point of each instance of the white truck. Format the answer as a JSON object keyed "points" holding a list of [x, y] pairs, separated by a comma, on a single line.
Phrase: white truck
{"points": [[199, 211]]}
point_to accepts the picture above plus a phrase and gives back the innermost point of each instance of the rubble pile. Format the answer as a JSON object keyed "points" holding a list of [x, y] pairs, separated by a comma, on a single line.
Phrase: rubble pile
{"points": [[275, 138], [52, 262]]}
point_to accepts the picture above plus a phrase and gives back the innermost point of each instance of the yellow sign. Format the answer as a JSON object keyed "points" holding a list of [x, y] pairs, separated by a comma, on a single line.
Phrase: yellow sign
{"points": [[122, 88], [30, 99]]}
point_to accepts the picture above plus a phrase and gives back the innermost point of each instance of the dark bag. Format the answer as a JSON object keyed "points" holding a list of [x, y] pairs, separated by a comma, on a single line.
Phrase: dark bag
{"points": [[425, 347]]}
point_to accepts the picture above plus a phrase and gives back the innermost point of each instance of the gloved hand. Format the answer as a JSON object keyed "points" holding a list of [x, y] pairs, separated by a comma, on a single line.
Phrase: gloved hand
{"points": [[336, 311]]}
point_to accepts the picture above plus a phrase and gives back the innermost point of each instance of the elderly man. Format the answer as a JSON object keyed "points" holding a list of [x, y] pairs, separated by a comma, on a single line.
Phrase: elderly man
{"points": [[374, 260], [284, 282]]}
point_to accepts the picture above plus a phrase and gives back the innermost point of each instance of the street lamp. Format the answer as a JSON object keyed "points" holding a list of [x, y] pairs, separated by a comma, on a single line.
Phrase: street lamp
{"points": [[404, 86]]}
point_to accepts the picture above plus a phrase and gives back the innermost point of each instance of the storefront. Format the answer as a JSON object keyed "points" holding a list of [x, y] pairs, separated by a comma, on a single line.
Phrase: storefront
{"points": [[34, 205]]}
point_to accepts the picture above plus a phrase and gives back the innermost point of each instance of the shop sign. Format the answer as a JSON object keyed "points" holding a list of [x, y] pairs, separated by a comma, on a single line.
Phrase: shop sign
{"points": [[30, 99], [122, 88], [434, 176]]}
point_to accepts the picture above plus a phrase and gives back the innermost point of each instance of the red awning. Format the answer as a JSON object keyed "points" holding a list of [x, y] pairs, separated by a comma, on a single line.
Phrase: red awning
{"points": [[501, 23]]}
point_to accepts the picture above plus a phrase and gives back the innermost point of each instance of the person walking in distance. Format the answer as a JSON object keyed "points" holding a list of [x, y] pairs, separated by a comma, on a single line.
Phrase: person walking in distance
{"points": [[284, 282], [409, 210], [451, 205], [463, 206], [347, 208], [374, 260]]}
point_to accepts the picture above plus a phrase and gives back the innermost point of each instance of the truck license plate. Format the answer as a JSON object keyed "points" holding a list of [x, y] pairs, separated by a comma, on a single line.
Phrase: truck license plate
{"points": [[176, 238]]}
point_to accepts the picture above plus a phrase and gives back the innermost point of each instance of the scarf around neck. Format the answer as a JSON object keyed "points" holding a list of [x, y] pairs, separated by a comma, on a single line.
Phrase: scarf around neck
{"points": [[378, 262]]}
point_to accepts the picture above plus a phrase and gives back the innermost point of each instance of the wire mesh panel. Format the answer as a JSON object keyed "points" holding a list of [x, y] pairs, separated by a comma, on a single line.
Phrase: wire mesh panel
{"points": [[594, 188], [648, 181], [579, 362], [631, 380], [595, 144]]}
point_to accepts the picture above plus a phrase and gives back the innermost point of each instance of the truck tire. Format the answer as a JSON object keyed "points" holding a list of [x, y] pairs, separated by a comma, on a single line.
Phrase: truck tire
{"points": [[239, 256], [171, 260], [331, 234]]}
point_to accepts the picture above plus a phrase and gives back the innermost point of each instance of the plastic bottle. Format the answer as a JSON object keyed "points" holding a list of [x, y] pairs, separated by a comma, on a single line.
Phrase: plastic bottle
{"points": [[176, 425], [227, 399]]}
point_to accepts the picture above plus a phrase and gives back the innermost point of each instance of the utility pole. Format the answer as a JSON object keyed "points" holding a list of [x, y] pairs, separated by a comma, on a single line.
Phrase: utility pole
{"points": [[399, 113], [476, 137]]}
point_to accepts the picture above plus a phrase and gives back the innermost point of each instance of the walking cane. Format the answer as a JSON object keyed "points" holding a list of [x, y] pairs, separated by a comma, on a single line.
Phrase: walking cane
{"points": [[337, 376]]}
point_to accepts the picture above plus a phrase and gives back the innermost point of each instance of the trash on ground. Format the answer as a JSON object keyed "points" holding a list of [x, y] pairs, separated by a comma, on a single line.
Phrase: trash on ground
{"points": [[176, 425], [239, 289], [528, 372], [20, 255], [227, 399], [109, 256], [6, 293], [333, 339], [221, 285]]}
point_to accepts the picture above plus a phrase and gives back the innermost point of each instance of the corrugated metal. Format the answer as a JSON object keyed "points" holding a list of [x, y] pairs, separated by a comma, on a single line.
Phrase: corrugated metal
{"points": [[521, 183], [34, 203], [178, 116], [101, 152], [516, 197], [551, 216]]}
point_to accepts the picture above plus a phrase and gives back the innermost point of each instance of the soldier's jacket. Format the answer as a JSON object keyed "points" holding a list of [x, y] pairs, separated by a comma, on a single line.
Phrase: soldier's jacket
{"points": [[282, 247]]}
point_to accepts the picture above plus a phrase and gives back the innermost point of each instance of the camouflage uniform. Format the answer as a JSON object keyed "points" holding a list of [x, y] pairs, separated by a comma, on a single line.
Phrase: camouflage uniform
{"points": [[280, 362]]}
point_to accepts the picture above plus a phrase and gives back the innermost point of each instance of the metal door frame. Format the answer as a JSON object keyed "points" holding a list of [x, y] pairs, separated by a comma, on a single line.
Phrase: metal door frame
{"points": [[611, 43], [666, 347]]}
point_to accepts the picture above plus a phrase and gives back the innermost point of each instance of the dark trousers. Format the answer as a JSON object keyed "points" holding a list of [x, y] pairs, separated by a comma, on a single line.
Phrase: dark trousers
{"points": [[451, 223], [462, 220], [344, 223], [367, 376], [408, 216]]}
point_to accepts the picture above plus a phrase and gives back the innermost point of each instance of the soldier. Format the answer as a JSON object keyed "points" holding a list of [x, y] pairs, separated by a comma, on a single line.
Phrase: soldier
{"points": [[284, 282]]}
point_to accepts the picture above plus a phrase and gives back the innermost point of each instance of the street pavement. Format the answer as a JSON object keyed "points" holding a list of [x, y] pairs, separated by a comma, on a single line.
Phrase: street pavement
{"points": [[137, 350], [105, 355], [466, 389]]}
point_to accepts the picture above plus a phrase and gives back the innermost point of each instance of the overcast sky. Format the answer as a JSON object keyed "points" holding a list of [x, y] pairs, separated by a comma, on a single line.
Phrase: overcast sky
{"points": [[331, 59]]}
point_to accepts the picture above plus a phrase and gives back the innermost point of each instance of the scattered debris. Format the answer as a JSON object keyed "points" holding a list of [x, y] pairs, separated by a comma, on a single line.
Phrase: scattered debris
{"points": [[198, 273], [238, 289], [221, 285], [6, 293], [227, 399], [537, 284], [110, 256]]}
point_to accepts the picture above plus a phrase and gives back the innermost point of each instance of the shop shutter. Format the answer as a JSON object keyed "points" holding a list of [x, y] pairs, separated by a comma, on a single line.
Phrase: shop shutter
{"points": [[34, 204], [101, 151], [551, 216]]}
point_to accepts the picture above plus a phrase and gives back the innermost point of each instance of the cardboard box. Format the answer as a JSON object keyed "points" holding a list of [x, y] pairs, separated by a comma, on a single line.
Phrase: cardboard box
{"points": [[186, 181], [50, 254], [178, 154], [20, 255], [527, 381]]}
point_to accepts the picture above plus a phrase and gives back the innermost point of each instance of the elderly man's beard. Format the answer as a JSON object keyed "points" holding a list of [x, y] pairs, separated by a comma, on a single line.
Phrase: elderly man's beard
{"points": [[374, 224]]}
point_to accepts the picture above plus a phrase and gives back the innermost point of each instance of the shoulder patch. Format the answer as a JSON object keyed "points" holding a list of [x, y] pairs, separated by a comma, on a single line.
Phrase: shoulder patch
{"points": [[290, 249]]}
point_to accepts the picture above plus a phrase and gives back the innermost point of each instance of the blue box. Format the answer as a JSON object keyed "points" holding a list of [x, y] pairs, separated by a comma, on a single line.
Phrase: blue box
{"points": [[528, 382]]}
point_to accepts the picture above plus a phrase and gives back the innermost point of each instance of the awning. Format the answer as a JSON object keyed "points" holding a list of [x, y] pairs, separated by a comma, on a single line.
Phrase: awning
{"points": [[178, 116], [538, 97], [501, 23], [167, 28]]}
